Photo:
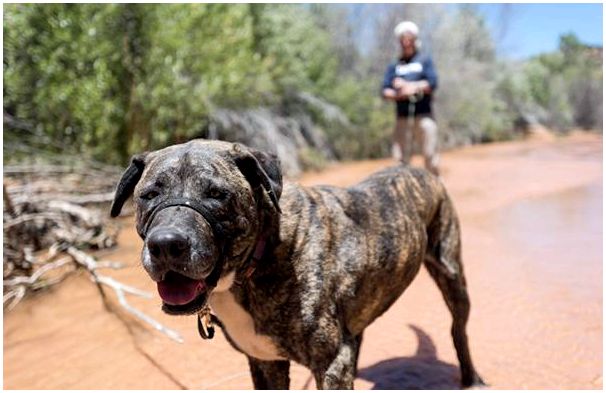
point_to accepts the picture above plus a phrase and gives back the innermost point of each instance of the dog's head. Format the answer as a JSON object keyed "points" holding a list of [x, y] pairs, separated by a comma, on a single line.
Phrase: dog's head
{"points": [[200, 210]]}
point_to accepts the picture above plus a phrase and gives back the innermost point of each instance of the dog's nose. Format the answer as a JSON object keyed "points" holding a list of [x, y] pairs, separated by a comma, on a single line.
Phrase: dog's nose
{"points": [[168, 246]]}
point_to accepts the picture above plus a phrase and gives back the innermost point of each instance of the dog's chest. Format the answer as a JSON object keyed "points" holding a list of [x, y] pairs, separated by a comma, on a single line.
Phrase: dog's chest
{"points": [[240, 325]]}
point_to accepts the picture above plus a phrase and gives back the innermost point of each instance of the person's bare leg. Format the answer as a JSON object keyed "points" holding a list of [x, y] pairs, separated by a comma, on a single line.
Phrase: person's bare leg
{"points": [[429, 130], [401, 148]]}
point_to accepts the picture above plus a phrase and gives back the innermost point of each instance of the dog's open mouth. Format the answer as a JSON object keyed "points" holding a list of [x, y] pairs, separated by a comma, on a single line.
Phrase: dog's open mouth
{"points": [[181, 294]]}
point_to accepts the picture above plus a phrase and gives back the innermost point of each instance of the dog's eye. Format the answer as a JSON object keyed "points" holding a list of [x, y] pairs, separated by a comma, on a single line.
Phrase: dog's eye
{"points": [[151, 194], [216, 193]]}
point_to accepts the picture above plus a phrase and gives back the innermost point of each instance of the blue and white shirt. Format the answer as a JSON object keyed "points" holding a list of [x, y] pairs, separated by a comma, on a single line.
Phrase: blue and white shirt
{"points": [[419, 67]]}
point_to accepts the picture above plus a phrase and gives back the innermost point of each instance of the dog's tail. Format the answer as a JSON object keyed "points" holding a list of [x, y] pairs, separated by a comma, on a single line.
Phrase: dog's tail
{"points": [[444, 241]]}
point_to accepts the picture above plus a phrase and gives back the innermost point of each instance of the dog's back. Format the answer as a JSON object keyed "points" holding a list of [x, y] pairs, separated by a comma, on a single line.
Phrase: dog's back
{"points": [[363, 245]]}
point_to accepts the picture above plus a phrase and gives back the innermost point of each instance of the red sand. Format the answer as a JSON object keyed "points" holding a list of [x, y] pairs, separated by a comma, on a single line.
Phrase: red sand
{"points": [[531, 216]]}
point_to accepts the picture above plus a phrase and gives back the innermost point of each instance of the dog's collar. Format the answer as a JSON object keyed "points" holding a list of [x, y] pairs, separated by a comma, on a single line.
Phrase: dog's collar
{"points": [[253, 261]]}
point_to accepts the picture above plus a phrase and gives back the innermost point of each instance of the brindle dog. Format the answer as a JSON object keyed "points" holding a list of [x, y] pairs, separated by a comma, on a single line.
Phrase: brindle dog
{"points": [[294, 273]]}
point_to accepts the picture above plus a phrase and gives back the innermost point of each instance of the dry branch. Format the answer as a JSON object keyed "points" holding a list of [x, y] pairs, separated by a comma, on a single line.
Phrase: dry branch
{"points": [[121, 289], [53, 217], [91, 265], [8, 203]]}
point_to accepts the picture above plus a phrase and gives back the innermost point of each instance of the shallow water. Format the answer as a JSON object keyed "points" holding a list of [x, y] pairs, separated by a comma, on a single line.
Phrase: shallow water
{"points": [[561, 235], [540, 306]]}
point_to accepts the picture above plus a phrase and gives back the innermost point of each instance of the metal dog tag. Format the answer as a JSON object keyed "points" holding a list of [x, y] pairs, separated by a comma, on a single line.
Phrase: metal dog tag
{"points": [[205, 326]]}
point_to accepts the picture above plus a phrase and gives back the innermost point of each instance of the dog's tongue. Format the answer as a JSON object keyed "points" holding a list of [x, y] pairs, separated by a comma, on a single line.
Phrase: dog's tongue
{"points": [[177, 289]]}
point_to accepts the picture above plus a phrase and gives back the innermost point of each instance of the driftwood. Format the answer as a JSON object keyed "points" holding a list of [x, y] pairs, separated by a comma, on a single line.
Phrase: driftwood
{"points": [[54, 220]]}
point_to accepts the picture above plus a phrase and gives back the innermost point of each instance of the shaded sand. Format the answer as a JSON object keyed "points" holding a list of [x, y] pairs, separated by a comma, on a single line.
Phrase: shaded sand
{"points": [[531, 216]]}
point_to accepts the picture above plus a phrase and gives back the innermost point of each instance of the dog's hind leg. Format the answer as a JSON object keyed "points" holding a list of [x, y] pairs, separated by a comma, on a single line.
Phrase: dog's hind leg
{"points": [[443, 261], [270, 374]]}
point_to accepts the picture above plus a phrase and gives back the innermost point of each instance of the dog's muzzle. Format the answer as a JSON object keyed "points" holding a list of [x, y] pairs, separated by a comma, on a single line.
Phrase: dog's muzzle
{"points": [[182, 294]]}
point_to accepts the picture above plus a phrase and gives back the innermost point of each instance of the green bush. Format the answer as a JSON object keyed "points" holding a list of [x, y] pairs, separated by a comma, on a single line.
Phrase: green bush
{"points": [[108, 80]]}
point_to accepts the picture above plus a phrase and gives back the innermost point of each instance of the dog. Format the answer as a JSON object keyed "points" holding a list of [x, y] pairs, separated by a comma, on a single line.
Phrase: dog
{"points": [[291, 273]]}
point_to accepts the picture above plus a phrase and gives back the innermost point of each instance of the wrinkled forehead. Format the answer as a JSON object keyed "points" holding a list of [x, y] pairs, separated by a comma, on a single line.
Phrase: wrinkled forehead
{"points": [[194, 160]]}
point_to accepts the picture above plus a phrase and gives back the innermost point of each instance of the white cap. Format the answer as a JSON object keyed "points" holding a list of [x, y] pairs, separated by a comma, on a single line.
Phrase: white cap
{"points": [[406, 27]]}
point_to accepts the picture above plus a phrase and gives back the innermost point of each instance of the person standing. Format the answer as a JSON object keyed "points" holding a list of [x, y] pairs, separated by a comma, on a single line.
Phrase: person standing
{"points": [[410, 82]]}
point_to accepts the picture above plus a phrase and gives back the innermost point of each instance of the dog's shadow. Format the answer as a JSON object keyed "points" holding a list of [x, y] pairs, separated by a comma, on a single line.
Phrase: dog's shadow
{"points": [[423, 370]]}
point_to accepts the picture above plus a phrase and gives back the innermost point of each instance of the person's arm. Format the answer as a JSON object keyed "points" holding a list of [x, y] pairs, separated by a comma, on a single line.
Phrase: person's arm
{"points": [[430, 83], [388, 92]]}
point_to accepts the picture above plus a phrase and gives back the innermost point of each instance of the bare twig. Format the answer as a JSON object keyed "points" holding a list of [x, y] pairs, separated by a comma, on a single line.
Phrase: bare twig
{"points": [[38, 217], [31, 280], [17, 294], [16, 170], [109, 265], [86, 215], [75, 199], [8, 204], [91, 265], [120, 289]]}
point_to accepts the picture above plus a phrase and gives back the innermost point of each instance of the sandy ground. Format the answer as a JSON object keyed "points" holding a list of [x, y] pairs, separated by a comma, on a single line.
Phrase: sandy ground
{"points": [[531, 216]]}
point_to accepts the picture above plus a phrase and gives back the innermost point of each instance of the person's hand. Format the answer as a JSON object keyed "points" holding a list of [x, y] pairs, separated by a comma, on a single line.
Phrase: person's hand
{"points": [[404, 88], [399, 83], [390, 94], [409, 89]]}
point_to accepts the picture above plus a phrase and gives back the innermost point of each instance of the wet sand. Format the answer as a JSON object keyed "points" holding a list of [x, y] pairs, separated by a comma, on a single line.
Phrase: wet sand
{"points": [[531, 215]]}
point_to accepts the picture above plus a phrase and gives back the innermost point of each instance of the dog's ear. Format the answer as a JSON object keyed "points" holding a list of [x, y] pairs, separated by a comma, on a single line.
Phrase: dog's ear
{"points": [[129, 180], [260, 169]]}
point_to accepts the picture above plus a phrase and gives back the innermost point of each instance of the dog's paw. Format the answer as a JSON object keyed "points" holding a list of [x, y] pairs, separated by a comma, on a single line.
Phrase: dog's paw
{"points": [[474, 383]]}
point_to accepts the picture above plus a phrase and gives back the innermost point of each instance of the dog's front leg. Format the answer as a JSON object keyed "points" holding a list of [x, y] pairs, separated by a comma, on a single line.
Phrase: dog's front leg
{"points": [[270, 374], [340, 371]]}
